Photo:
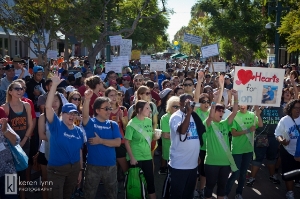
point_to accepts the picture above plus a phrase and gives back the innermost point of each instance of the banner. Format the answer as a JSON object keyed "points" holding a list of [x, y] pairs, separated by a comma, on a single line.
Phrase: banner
{"points": [[115, 66], [158, 65], [125, 48], [145, 59], [258, 86], [192, 39], [115, 40], [218, 67], [210, 51]]}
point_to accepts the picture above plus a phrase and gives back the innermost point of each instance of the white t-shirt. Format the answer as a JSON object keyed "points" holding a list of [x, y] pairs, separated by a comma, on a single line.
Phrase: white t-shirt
{"points": [[287, 129], [19, 71], [124, 89], [183, 155]]}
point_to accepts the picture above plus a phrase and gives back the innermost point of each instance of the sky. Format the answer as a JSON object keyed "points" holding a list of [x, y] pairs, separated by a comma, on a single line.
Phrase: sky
{"points": [[181, 16]]}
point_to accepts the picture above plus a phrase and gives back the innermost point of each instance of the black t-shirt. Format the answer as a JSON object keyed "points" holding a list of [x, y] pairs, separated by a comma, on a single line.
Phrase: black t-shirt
{"points": [[32, 91]]}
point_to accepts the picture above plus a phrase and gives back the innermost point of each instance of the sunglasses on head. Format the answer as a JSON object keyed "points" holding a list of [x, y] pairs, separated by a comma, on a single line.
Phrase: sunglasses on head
{"points": [[76, 99], [187, 85], [18, 88], [140, 80], [107, 108]]}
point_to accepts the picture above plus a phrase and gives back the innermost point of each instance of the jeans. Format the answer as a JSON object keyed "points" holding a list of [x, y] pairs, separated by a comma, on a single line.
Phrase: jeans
{"points": [[270, 152], [242, 162], [93, 175], [183, 183]]}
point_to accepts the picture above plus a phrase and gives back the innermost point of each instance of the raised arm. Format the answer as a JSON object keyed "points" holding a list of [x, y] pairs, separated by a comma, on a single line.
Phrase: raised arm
{"points": [[85, 110], [293, 82], [221, 89], [212, 109], [199, 86], [48, 106], [184, 126], [257, 113], [42, 128], [235, 106]]}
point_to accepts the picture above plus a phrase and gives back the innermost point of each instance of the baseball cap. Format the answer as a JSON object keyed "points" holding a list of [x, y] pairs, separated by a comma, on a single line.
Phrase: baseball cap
{"points": [[68, 108], [226, 77], [70, 89], [86, 62], [126, 77], [9, 66], [164, 93], [38, 69]]}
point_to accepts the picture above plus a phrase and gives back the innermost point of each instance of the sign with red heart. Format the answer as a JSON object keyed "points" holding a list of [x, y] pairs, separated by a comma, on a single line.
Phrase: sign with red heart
{"points": [[245, 76]]}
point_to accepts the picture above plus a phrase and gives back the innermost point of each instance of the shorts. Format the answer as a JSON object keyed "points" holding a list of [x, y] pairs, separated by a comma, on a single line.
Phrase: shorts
{"points": [[41, 159], [121, 151], [288, 163], [201, 166]]}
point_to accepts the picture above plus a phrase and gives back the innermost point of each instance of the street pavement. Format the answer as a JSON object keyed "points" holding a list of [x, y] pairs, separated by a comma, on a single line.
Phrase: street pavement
{"points": [[262, 189]]}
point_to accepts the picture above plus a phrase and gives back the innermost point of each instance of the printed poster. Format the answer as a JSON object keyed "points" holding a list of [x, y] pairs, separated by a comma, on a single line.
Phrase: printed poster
{"points": [[258, 86], [210, 50], [158, 65]]}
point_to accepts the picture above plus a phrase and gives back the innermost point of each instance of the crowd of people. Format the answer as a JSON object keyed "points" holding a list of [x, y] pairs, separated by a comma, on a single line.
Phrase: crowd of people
{"points": [[83, 124]]}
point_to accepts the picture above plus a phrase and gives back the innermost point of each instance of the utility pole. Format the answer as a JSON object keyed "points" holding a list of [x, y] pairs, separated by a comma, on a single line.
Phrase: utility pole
{"points": [[108, 29]]}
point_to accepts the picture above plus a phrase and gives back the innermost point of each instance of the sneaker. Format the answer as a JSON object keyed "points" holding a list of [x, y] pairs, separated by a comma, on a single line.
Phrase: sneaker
{"points": [[274, 179], [238, 196], [162, 171], [289, 195], [250, 182], [196, 194]]}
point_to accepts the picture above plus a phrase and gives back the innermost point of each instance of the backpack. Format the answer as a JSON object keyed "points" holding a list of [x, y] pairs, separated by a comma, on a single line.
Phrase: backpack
{"points": [[135, 184]]}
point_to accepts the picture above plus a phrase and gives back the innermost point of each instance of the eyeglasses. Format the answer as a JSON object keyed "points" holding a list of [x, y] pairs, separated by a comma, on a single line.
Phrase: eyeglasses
{"points": [[220, 110], [203, 102], [18, 88], [107, 108], [147, 93], [187, 85], [140, 80], [176, 107], [76, 99], [208, 91]]}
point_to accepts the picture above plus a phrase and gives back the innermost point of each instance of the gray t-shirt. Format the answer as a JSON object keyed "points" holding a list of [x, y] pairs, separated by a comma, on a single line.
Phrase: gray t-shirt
{"points": [[4, 83]]}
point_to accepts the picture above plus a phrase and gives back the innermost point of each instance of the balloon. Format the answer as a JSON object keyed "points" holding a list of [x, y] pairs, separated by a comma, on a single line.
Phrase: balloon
{"points": [[175, 43]]}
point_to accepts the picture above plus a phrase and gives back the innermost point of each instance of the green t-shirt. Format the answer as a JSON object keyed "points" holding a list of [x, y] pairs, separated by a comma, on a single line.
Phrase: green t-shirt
{"points": [[139, 145], [215, 154], [166, 143], [203, 116], [241, 144]]}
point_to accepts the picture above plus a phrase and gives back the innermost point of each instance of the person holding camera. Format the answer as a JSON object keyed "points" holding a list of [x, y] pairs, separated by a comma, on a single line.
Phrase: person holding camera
{"points": [[186, 129]]}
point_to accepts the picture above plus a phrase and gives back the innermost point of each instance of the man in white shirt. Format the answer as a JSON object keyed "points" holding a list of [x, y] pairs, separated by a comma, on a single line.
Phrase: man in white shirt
{"points": [[17, 63], [184, 150]]}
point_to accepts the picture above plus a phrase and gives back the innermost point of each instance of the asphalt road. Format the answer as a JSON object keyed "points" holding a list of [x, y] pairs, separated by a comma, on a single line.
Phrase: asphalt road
{"points": [[262, 189]]}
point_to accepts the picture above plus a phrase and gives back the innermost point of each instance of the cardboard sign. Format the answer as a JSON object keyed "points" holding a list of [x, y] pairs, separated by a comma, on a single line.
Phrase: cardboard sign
{"points": [[115, 40], [210, 51], [192, 39], [52, 54], [125, 48], [258, 86], [36, 42], [218, 67], [145, 59], [158, 65], [123, 59], [135, 54], [115, 66]]}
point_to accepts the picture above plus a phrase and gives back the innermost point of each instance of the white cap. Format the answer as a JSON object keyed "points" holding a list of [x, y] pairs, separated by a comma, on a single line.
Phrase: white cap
{"points": [[70, 88]]}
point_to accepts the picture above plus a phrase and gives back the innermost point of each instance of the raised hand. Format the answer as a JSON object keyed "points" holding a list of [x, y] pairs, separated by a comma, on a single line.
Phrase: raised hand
{"points": [[88, 94], [56, 79], [200, 76], [221, 81], [234, 93]]}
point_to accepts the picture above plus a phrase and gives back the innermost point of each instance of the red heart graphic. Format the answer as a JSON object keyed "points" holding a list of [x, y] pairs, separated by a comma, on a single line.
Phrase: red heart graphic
{"points": [[245, 76]]}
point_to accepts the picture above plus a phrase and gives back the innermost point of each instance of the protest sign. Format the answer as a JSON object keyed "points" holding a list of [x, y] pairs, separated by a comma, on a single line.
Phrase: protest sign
{"points": [[115, 40], [52, 54], [145, 59], [210, 50], [123, 59], [258, 86], [192, 39], [158, 65], [135, 54], [115, 66], [125, 48], [218, 67]]}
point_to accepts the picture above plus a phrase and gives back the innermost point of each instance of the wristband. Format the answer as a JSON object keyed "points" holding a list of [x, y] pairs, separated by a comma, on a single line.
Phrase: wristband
{"points": [[236, 101], [213, 103]]}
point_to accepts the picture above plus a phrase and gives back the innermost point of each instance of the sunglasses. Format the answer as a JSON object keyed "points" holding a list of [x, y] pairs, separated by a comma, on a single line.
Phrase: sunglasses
{"points": [[147, 93], [208, 91], [76, 99], [107, 108], [176, 107], [140, 80], [187, 85], [220, 110], [203, 102], [18, 89]]}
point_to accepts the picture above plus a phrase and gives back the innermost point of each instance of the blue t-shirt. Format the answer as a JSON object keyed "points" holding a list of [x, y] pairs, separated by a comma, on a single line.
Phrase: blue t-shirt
{"points": [[161, 78], [101, 155], [65, 144], [83, 69], [271, 94]]}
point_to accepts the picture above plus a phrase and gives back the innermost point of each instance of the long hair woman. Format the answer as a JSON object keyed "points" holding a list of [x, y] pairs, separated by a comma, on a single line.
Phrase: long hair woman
{"points": [[138, 145], [287, 134], [119, 115], [20, 120], [66, 141], [138, 80], [44, 135]]}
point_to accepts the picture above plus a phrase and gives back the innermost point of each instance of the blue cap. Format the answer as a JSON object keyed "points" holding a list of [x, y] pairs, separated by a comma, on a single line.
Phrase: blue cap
{"points": [[38, 69], [68, 108]]}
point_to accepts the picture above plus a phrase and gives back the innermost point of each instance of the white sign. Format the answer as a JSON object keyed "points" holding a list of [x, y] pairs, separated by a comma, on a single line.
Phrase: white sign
{"points": [[192, 39], [115, 66], [125, 48], [115, 40], [123, 59], [210, 51], [218, 67], [158, 65], [145, 59], [35, 42], [258, 86], [52, 54]]}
